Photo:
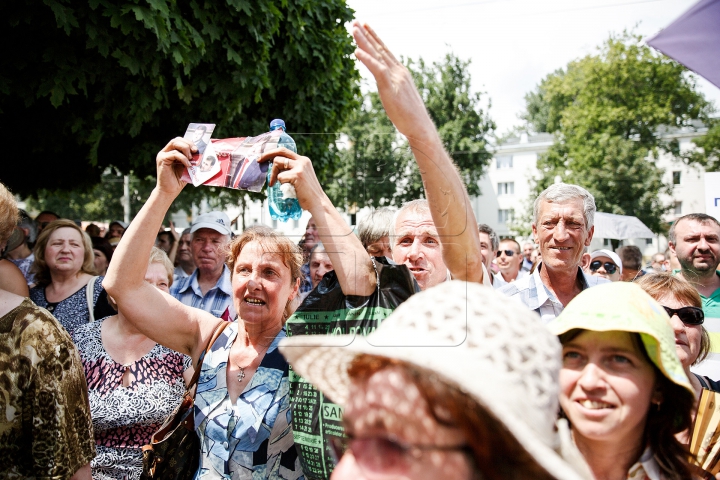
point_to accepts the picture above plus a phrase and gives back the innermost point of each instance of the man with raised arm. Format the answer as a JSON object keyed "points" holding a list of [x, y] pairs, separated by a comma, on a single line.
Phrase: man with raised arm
{"points": [[448, 217]]}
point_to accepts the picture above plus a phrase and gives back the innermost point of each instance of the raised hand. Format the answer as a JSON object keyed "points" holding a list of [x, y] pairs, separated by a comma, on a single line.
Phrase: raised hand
{"points": [[289, 167], [171, 162], [396, 88]]}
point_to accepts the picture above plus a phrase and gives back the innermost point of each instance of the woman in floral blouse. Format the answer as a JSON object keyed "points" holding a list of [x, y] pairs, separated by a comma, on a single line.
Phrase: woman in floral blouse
{"points": [[133, 383]]}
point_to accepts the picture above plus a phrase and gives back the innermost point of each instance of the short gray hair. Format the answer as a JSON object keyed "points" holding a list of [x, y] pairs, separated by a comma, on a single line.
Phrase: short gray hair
{"points": [[376, 225], [418, 206], [494, 241], [318, 248], [561, 192]]}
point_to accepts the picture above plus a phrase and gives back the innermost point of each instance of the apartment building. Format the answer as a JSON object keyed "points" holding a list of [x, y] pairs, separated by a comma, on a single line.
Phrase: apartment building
{"points": [[506, 186]]}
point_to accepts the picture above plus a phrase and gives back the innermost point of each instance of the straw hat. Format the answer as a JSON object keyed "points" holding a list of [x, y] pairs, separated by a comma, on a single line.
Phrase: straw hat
{"points": [[625, 307], [474, 339]]}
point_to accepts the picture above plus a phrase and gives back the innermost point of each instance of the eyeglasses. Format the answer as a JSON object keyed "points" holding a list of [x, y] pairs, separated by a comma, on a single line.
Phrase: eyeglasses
{"points": [[383, 455], [687, 315], [609, 267], [508, 253]]}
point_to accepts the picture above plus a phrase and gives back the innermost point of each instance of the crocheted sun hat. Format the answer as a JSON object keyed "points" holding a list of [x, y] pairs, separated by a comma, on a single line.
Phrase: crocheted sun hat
{"points": [[625, 307], [473, 338]]}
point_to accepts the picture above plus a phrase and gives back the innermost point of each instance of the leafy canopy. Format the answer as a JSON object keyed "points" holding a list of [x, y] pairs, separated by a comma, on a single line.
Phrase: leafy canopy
{"points": [[376, 167], [608, 112], [107, 83]]}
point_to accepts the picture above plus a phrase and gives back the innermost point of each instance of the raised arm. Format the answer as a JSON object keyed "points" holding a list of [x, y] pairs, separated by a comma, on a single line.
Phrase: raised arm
{"points": [[449, 202], [156, 314], [351, 262]]}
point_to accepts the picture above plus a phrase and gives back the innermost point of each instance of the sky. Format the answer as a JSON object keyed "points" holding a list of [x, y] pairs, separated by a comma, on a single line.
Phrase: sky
{"points": [[513, 44]]}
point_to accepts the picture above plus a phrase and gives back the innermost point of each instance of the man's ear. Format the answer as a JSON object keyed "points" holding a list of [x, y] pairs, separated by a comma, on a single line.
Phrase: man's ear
{"points": [[590, 236], [671, 246]]}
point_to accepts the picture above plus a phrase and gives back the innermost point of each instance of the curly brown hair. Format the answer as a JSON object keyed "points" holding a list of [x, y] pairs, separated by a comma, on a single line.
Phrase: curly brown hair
{"points": [[8, 214], [40, 267]]}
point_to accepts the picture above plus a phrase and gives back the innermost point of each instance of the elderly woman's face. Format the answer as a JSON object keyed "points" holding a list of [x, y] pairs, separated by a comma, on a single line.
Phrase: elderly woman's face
{"points": [[158, 277], [687, 337], [261, 285], [384, 418], [65, 251], [606, 387]]}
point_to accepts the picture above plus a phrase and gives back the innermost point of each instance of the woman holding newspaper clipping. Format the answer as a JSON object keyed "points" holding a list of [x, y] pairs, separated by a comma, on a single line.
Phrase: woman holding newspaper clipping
{"points": [[622, 386], [242, 405]]}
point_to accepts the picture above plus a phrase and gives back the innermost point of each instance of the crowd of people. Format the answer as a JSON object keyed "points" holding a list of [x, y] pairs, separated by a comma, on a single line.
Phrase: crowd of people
{"points": [[540, 361]]}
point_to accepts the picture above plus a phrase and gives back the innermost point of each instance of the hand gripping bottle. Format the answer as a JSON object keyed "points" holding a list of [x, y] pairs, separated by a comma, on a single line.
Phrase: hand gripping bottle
{"points": [[282, 199]]}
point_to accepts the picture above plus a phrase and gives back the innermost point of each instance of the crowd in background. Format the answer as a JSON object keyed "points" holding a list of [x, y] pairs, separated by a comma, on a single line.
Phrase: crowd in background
{"points": [[102, 335]]}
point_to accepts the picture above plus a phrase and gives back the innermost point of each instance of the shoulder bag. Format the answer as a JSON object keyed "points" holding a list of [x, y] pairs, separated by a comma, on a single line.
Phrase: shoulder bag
{"points": [[174, 450]]}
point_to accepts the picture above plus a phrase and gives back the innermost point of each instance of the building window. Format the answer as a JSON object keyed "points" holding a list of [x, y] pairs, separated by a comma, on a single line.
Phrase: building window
{"points": [[676, 178], [296, 223], [506, 188], [505, 215], [648, 241], [607, 242], [504, 162], [678, 208]]}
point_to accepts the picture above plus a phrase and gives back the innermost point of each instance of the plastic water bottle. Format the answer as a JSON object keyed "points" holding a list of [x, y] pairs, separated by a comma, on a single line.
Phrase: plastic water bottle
{"points": [[282, 199]]}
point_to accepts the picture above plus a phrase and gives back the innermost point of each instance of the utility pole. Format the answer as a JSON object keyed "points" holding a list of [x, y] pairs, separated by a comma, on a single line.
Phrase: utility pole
{"points": [[126, 199]]}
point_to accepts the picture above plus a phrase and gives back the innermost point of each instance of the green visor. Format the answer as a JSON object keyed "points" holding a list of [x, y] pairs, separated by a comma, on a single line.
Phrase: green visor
{"points": [[625, 307]]}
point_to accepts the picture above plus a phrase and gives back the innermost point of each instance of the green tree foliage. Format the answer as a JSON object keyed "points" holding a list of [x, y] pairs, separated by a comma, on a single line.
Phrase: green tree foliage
{"points": [[607, 112], [376, 167], [709, 156], [88, 85]]}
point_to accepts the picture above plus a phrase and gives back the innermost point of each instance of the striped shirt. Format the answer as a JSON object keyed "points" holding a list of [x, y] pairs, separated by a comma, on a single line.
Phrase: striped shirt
{"points": [[533, 293], [215, 301]]}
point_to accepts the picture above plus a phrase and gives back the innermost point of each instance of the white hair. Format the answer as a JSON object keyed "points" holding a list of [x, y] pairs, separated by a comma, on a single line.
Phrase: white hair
{"points": [[418, 206], [562, 192]]}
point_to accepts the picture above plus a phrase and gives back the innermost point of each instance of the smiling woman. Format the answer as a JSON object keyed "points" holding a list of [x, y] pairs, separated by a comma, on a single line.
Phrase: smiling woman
{"points": [[622, 386]]}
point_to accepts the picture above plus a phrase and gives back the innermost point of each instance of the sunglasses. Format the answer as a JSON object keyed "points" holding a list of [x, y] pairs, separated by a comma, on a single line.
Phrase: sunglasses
{"points": [[508, 253], [687, 315], [383, 455], [609, 267]]}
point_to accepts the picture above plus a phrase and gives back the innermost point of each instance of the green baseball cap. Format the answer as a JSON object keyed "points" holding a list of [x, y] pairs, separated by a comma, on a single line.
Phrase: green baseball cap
{"points": [[625, 307]]}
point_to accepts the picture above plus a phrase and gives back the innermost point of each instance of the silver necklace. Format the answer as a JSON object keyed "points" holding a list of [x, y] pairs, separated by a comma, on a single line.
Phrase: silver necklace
{"points": [[241, 373]]}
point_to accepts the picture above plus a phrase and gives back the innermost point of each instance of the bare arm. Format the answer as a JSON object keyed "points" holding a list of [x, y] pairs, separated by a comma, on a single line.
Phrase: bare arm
{"points": [[156, 314], [449, 202], [83, 473], [12, 279], [351, 262]]}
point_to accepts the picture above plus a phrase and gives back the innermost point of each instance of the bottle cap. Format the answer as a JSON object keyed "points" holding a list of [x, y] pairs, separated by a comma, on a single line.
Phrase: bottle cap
{"points": [[277, 123]]}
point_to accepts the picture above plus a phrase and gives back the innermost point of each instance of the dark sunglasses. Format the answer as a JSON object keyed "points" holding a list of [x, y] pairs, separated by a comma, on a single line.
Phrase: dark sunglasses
{"points": [[609, 267], [382, 454], [687, 315], [508, 253]]}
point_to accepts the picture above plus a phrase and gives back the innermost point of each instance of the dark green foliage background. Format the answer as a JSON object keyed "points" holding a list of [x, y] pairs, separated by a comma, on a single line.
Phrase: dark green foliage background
{"points": [[105, 83]]}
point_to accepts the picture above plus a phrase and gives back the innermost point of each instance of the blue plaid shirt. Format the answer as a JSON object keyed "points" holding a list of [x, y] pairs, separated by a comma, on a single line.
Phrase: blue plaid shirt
{"points": [[533, 293], [215, 301]]}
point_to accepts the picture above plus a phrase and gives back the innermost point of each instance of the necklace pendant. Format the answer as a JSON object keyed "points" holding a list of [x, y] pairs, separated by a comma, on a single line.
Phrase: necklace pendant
{"points": [[241, 374]]}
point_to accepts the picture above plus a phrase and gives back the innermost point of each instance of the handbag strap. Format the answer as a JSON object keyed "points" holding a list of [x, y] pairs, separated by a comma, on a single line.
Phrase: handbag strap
{"points": [[196, 374], [89, 294]]}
